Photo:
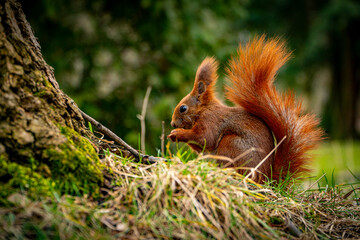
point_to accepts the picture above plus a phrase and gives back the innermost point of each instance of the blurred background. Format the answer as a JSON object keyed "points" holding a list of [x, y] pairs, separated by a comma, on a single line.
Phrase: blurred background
{"points": [[106, 54]]}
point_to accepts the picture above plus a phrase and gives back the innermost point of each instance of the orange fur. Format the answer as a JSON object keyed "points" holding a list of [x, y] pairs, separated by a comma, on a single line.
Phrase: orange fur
{"points": [[230, 131]]}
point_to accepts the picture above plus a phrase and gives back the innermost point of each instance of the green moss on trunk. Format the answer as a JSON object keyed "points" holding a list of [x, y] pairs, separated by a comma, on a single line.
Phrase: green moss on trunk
{"points": [[22, 178], [72, 167], [75, 164]]}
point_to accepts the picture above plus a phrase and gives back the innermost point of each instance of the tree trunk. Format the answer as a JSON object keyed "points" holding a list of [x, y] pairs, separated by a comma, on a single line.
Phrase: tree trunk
{"points": [[342, 110], [41, 148]]}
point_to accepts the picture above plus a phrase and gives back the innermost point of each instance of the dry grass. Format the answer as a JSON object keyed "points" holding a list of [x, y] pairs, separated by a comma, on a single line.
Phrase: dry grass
{"points": [[176, 200]]}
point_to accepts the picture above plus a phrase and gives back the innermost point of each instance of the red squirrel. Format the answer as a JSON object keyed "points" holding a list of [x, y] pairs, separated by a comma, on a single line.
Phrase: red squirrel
{"points": [[261, 118]]}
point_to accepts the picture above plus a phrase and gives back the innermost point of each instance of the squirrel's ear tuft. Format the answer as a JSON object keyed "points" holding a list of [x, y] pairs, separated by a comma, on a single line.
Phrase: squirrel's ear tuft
{"points": [[206, 75], [207, 71]]}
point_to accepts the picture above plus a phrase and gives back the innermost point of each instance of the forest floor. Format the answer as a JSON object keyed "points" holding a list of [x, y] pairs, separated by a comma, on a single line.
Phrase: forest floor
{"points": [[186, 197]]}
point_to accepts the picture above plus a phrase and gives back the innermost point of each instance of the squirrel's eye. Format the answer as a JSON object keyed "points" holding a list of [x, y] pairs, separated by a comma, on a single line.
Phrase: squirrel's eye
{"points": [[183, 108]]}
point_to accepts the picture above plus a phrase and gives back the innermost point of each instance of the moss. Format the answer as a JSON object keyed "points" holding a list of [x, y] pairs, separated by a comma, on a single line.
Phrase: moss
{"points": [[42, 93], [15, 176], [71, 168], [46, 82], [75, 165]]}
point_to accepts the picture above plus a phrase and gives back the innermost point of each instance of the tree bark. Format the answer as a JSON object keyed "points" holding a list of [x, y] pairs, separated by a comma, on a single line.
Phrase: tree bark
{"points": [[40, 128]]}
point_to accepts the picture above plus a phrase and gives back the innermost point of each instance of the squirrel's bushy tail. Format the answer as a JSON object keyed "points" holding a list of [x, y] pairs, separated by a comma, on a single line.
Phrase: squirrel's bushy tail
{"points": [[252, 74]]}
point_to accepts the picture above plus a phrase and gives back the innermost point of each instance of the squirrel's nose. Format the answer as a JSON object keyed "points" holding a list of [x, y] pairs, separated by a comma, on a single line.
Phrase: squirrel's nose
{"points": [[173, 124]]}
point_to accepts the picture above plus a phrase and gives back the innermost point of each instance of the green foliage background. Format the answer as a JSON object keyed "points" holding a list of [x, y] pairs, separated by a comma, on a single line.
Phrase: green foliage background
{"points": [[106, 54]]}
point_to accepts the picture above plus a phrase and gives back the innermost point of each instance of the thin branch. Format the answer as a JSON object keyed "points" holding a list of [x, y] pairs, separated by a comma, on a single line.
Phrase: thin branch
{"points": [[142, 118], [291, 227], [109, 133], [163, 138], [312, 184]]}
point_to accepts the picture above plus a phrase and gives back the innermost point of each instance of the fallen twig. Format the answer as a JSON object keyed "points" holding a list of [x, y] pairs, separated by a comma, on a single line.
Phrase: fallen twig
{"points": [[162, 138], [291, 228], [142, 118], [349, 193], [109, 133], [312, 184]]}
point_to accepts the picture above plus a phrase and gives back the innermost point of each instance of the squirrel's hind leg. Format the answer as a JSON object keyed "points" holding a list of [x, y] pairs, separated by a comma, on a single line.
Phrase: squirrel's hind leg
{"points": [[245, 155]]}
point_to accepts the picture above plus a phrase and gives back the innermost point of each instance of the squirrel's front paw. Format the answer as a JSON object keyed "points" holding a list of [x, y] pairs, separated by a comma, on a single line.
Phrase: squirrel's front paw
{"points": [[173, 134]]}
